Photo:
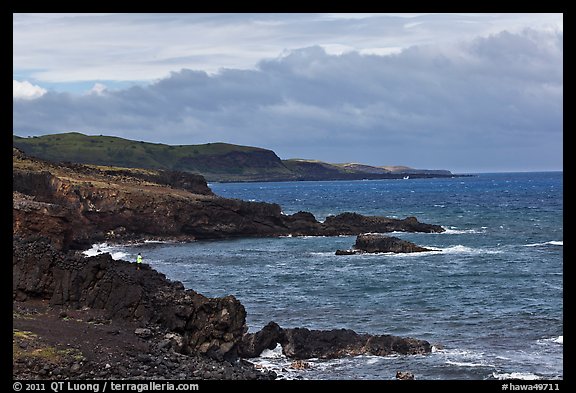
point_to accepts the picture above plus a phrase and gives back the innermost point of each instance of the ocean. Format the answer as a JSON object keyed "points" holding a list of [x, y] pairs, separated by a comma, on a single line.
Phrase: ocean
{"points": [[489, 298]]}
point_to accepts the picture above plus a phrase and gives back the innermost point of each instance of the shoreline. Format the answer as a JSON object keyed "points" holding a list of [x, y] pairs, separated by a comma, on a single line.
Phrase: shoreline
{"points": [[61, 210]]}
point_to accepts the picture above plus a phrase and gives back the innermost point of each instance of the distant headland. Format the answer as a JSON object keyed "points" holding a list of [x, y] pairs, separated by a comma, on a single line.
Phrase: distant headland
{"points": [[217, 162]]}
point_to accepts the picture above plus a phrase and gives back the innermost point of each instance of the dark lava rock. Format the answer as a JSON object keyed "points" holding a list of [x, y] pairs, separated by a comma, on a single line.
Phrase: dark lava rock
{"points": [[76, 205], [253, 344], [302, 343], [404, 375], [353, 223], [347, 252], [210, 326], [373, 243]]}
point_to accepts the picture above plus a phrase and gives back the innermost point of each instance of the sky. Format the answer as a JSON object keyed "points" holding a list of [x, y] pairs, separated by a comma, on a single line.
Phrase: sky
{"points": [[464, 92]]}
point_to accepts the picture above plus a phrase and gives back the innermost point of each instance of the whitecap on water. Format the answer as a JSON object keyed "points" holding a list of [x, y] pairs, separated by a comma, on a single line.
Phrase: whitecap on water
{"points": [[455, 231], [275, 353], [555, 340], [460, 249], [463, 358], [513, 375], [102, 248], [275, 360], [550, 243], [469, 364], [322, 254], [559, 340]]}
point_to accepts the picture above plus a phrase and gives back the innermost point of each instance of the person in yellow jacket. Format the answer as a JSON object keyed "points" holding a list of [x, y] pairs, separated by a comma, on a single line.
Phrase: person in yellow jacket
{"points": [[139, 260]]}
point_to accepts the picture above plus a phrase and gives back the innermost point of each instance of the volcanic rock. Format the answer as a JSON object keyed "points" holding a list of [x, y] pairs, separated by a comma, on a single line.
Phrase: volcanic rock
{"points": [[77, 205], [375, 243], [302, 343], [382, 243], [211, 326]]}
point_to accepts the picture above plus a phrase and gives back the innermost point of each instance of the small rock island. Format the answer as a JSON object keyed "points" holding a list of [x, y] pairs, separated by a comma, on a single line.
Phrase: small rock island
{"points": [[376, 243]]}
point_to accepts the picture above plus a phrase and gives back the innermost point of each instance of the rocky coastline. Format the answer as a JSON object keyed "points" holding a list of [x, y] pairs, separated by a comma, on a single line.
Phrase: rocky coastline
{"points": [[92, 316]]}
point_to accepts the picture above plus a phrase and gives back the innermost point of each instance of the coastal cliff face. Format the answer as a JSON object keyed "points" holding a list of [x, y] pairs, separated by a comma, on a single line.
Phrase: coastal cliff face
{"points": [[75, 205], [211, 326]]}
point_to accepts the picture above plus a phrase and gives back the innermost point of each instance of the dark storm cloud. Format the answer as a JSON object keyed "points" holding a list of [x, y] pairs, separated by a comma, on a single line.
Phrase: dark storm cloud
{"points": [[427, 106]]}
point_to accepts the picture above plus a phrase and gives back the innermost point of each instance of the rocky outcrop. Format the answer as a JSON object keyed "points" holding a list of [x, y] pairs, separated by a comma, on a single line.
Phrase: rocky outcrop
{"points": [[302, 343], [32, 218], [375, 243], [253, 344], [404, 375], [211, 326], [353, 223], [76, 205]]}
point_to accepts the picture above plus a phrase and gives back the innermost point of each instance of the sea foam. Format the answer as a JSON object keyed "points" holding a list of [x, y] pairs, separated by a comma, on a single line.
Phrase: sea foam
{"points": [[102, 248], [455, 231], [555, 340], [523, 376], [550, 243], [461, 249]]}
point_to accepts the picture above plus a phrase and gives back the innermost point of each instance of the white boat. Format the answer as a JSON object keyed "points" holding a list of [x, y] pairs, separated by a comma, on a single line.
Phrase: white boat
{"points": [[406, 177]]}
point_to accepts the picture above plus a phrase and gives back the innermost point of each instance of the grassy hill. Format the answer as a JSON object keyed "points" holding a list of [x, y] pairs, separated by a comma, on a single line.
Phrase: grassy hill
{"points": [[215, 161]]}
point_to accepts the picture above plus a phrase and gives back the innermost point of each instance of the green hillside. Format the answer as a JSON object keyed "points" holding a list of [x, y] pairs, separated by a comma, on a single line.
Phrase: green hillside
{"points": [[216, 161]]}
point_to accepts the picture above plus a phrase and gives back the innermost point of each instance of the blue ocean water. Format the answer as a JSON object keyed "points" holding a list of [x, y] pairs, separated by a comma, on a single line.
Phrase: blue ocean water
{"points": [[490, 298]]}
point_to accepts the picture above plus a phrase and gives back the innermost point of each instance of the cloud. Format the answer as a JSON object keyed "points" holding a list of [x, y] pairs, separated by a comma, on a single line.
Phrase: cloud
{"points": [[98, 89], [146, 47], [26, 90], [485, 104]]}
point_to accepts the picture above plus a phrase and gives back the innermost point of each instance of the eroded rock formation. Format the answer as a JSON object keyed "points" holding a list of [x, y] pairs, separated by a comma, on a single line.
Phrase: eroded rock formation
{"points": [[76, 205], [211, 326], [302, 343], [375, 243]]}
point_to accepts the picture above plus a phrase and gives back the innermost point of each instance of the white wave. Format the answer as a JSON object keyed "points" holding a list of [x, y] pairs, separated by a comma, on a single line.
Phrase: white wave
{"points": [[118, 255], [455, 231], [384, 233], [460, 249], [96, 249], [373, 360], [556, 340], [550, 243], [275, 353], [559, 340], [369, 255], [463, 358], [469, 364], [322, 254], [459, 352], [523, 376], [103, 248], [275, 360]]}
